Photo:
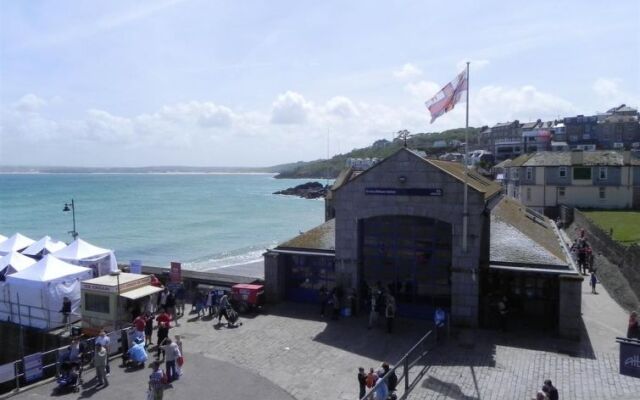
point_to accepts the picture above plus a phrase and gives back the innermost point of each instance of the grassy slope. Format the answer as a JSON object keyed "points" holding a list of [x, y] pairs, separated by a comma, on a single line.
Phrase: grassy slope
{"points": [[625, 224], [331, 168]]}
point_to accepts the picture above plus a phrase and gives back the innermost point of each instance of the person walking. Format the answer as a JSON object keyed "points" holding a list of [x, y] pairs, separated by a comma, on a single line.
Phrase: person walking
{"points": [[335, 300], [225, 306], [170, 306], [211, 302], [390, 312], [373, 314], [180, 359], [172, 352], [164, 323], [162, 299], [100, 361], [104, 341], [148, 329], [156, 382], [180, 298], [392, 378], [550, 390], [371, 379], [503, 309], [633, 329], [139, 324], [382, 391], [362, 382], [593, 282], [323, 296], [66, 312]]}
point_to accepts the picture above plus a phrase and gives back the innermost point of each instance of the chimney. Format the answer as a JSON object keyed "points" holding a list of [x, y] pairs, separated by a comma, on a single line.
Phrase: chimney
{"points": [[576, 157], [626, 157]]}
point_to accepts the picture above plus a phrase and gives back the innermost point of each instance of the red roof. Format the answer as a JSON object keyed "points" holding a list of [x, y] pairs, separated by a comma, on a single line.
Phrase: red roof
{"points": [[248, 286]]}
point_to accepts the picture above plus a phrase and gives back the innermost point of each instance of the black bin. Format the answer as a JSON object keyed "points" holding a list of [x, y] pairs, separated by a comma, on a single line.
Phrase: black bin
{"points": [[76, 331]]}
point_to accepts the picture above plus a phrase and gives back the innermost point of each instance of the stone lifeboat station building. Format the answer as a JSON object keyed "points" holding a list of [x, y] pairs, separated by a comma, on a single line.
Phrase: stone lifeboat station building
{"points": [[399, 225]]}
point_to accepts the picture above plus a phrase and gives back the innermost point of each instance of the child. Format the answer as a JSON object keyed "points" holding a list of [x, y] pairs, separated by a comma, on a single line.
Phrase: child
{"points": [[594, 280], [148, 329]]}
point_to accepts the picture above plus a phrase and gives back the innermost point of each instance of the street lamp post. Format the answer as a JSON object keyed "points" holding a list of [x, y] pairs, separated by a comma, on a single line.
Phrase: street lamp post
{"points": [[72, 207]]}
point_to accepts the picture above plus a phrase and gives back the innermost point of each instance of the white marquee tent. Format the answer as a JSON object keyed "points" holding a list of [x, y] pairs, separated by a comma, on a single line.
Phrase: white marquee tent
{"points": [[43, 247], [2, 238], [102, 261], [16, 242], [40, 290], [14, 262]]}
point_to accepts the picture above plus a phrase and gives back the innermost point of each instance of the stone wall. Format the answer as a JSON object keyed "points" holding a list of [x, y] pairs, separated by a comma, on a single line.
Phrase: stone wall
{"points": [[626, 259], [569, 315]]}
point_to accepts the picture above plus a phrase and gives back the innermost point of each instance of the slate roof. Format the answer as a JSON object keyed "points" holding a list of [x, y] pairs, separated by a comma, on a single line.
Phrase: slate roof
{"points": [[475, 181], [522, 236], [563, 158], [322, 237]]}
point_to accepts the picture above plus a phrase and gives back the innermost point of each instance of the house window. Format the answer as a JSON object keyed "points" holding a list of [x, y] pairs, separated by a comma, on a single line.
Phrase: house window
{"points": [[561, 192], [582, 173], [515, 173], [603, 193], [528, 194], [562, 172], [96, 303], [602, 174], [529, 173]]}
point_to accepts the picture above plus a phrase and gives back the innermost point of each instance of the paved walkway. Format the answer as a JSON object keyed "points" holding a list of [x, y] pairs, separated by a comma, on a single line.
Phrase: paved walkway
{"points": [[293, 353]]}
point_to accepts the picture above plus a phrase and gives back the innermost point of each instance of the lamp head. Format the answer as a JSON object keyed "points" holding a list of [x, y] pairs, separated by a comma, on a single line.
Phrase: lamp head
{"points": [[66, 208]]}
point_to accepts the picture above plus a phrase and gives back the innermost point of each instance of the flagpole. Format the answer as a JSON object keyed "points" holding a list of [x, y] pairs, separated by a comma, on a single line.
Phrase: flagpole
{"points": [[465, 212]]}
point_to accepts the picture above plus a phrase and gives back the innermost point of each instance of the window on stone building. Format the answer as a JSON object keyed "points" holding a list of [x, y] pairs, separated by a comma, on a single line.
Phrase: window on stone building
{"points": [[529, 173], [582, 173], [528, 194], [602, 173], [96, 303], [561, 191], [562, 172], [603, 193]]}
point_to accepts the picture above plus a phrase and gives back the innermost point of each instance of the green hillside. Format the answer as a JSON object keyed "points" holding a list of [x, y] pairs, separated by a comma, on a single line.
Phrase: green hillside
{"points": [[320, 169]]}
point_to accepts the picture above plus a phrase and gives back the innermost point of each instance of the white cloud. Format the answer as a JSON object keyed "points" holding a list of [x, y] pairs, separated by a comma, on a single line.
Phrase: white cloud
{"points": [[290, 108], [493, 104], [423, 90], [610, 93], [408, 71], [342, 107], [29, 103]]}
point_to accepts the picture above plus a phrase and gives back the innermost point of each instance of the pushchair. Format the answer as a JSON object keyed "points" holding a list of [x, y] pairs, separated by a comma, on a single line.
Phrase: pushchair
{"points": [[69, 379]]}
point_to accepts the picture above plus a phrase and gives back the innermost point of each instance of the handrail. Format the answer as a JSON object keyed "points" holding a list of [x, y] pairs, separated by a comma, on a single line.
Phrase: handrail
{"points": [[406, 365], [19, 364]]}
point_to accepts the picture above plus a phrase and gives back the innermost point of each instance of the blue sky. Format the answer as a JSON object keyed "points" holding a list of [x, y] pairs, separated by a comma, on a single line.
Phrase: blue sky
{"points": [[230, 83]]}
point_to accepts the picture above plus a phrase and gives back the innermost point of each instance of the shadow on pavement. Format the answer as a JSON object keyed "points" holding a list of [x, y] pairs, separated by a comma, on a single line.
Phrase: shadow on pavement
{"points": [[450, 390]]}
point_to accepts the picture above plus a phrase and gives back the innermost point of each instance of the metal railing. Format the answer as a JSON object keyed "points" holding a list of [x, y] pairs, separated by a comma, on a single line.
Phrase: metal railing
{"points": [[413, 369], [52, 358]]}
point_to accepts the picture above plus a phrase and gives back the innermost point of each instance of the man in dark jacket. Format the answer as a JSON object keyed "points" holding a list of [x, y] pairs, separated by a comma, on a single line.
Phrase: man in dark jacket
{"points": [[392, 380], [362, 382], [66, 310], [550, 390]]}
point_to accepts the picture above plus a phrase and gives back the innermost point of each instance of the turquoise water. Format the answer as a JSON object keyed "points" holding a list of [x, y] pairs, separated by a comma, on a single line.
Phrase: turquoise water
{"points": [[204, 220]]}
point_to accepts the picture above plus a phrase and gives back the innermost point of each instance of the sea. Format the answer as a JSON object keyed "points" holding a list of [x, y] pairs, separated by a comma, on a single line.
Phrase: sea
{"points": [[206, 221]]}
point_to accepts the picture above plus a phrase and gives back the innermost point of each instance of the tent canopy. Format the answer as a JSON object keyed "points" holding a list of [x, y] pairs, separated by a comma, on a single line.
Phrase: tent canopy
{"points": [[47, 244], [2, 238], [46, 270], [15, 262], [16, 242], [81, 252]]}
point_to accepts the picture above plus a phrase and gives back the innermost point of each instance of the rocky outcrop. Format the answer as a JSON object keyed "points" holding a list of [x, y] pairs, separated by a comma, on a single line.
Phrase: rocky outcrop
{"points": [[309, 190]]}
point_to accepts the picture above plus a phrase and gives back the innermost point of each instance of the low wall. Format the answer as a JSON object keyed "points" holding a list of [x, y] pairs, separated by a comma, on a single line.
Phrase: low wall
{"points": [[625, 258]]}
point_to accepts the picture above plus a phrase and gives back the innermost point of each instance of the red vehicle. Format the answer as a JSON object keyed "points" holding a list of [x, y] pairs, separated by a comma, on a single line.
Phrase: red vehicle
{"points": [[247, 297]]}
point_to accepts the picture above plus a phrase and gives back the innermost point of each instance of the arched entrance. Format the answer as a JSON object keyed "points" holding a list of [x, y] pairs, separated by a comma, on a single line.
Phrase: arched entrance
{"points": [[409, 256]]}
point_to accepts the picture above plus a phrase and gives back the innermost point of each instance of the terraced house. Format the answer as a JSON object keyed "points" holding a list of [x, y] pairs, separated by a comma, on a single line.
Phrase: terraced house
{"points": [[586, 179]]}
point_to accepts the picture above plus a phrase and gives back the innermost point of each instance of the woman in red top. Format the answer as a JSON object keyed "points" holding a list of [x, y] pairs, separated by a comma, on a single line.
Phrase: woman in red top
{"points": [[164, 323]]}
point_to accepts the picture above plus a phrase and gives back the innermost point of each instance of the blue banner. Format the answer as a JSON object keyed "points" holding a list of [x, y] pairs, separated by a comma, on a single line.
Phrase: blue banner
{"points": [[135, 266], [403, 191], [630, 359]]}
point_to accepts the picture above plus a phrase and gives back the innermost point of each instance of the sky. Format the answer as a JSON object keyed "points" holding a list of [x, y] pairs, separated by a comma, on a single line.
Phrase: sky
{"points": [[259, 83]]}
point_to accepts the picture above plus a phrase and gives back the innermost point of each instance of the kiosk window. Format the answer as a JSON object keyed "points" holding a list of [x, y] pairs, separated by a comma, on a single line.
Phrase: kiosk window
{"points": [[96, 303]]}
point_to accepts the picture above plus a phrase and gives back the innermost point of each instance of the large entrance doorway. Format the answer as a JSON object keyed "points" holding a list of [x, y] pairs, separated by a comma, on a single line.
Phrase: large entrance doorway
{"points": [[306, 275], [411, 258]]}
